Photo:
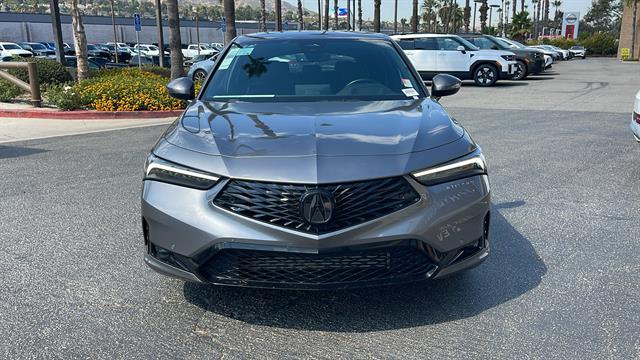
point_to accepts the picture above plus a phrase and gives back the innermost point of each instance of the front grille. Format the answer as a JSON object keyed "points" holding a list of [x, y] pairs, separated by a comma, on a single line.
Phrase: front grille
{"points": [[279, 204], [294, 270]]}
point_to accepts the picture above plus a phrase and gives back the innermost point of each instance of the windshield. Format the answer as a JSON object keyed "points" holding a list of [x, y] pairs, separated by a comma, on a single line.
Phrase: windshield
{"points": [[501, 43], [11, 47], [312, 70], [37, 46], [517, 44], [468, 44]]}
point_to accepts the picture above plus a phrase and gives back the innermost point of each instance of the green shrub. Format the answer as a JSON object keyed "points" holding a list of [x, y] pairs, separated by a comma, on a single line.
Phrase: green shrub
{"points": [[8, 91], [126, 89], [49, 71], [600, 44], [64, 97]]}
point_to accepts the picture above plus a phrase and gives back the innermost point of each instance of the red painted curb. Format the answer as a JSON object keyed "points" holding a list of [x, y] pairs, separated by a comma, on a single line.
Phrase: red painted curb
{"points": [[86, 114]]}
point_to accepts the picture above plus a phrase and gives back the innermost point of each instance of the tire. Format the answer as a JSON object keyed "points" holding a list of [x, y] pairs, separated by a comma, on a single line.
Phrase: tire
{"points": [[199, 75], [485, 75], [521, 71]]}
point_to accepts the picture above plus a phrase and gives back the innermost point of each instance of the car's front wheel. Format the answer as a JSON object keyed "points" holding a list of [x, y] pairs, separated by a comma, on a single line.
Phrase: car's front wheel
{"points": [[521, 71], [199, 75], [485, 75]]}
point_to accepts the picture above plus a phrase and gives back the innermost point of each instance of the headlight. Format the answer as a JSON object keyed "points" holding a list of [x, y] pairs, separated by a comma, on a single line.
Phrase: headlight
{"points": [[158, 169], [509, 57], [456, 170]]}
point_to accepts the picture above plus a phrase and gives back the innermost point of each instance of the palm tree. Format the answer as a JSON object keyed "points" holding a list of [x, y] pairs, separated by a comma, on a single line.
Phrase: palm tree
{"points": [[546, 12], [263, 16], [522, 5], [414, 17], [348, 15], [520, 25], [278, 4], [360, 15], [376, 15], [467, 15], [326, 14], [395, 17], [230, 20], [175, 42], [319, 14], [536, 4], [430, 13], [79, 41], [483, 15], [300, 18], [403, 22], [556, 4], [634, 25], [335, 15]]}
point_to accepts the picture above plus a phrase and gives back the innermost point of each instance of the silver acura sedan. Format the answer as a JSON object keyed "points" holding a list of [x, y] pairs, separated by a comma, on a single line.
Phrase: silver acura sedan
{"points": [[314, 160]]}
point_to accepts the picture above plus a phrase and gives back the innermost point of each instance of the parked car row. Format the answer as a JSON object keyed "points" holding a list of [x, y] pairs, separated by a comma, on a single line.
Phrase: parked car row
{"points": [[485, 59]]}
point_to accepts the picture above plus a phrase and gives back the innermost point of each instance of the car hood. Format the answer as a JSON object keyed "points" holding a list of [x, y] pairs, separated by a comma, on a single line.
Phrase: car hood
{"points": [[312, 143], [314, 128]]}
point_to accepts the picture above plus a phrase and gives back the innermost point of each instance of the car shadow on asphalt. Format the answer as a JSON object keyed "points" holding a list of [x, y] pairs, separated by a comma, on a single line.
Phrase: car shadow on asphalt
{"points": [[7, 152], [513, 269]]}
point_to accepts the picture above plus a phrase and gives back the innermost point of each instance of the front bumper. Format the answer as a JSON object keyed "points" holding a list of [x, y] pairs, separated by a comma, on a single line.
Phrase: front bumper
{"points": [[536, 66], [508, 70], [190, 238]]}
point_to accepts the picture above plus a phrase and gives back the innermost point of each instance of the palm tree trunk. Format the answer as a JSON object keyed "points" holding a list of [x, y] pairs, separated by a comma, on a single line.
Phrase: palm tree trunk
{"points": [[348, 15], [359, 15], [263, 16], [467, 15], [634, 23], [230, 19], [300, 16], [319, 14], [335, 15], [175, 42], [546, 12], [326, 14], [414, 17], [278, 4], [376, 15], [395, 17], [80, 41], [521, 5], [514, 9]]}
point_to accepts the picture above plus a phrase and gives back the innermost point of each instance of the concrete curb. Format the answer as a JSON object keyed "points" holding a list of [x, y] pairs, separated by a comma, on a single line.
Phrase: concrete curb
{"points": [[86, 114]]}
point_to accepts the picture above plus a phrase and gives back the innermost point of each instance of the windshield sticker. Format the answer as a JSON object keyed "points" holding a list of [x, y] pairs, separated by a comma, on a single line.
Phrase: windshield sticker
{"points": [[228, 59], [225, 63], [244, 51], [410, 92], [407, 83]]}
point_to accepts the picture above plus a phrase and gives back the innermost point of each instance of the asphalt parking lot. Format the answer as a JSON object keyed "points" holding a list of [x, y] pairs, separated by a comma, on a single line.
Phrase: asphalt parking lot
{"points": [[563, 279]]}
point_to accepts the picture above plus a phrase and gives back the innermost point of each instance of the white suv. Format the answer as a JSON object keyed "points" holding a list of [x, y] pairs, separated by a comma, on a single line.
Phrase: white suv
{"points": [[433, 54]]}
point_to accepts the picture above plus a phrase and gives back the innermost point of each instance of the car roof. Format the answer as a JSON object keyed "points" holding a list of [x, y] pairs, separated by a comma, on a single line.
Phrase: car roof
{"points": [[7, 43], [415, 36], [312, 35]]}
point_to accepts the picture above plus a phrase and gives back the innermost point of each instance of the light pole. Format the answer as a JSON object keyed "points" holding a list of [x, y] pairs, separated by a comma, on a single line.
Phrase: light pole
{"points": [[115, 34], [475, 5], [197, 31], [57, 32], [491, 13], [160, 35]]}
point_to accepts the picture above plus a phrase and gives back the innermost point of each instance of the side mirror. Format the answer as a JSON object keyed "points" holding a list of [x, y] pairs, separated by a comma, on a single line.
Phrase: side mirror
{"points": [[461, 48], [444, 85], [181, 88]]}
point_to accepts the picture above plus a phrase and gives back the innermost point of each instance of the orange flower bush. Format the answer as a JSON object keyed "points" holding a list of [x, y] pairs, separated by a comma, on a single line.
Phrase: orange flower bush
{"points": [[128, 89]]}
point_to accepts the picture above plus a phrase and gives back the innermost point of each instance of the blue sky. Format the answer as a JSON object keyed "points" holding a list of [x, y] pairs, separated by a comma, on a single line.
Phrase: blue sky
{"points": [[404, 7]]}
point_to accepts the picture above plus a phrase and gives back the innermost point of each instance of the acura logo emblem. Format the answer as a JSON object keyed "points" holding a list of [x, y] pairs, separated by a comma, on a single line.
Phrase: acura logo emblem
{"points": [[316, 206]]}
